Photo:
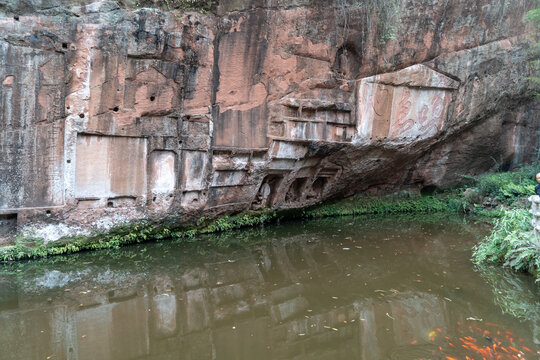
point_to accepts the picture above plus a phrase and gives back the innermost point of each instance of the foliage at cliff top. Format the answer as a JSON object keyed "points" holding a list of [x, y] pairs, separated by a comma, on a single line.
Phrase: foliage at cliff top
{"points": [[196, 5], [533, 17]]}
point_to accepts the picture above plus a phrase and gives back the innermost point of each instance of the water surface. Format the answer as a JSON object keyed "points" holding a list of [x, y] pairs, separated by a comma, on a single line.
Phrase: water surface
{"points": [[343, 288]]}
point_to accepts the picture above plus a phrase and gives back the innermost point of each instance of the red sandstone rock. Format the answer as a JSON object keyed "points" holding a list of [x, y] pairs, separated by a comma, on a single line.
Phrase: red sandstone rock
{"points": [[113, 114]]}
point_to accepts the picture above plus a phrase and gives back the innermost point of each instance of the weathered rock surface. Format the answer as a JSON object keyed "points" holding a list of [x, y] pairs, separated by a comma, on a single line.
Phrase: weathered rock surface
{"points": [[111, 113]]}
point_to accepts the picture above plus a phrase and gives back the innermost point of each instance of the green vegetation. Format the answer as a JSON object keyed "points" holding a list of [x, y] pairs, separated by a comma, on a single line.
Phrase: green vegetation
{"points": [[505, 192], [512, 243], [490, 194], [383, 206], [144, 231], [27, 248], [507, 186], [185, 5]]}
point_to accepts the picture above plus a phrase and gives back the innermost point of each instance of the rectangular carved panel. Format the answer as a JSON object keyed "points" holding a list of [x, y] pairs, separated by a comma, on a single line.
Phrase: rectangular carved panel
{"points": [[31, 86], [162, 171], [242, 129], [109, 166], [408, 104], [31, 166], [195, 163], [31, 127]]}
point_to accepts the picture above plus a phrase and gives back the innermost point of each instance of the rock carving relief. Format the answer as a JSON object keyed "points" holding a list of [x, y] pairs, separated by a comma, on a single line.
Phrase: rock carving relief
{"points": [[296, 190], [161, 178], [236, 178], [194, 170], [316, 120], [266, 196], [408, 104], [404, 123], [303, 185], [193, 178]]}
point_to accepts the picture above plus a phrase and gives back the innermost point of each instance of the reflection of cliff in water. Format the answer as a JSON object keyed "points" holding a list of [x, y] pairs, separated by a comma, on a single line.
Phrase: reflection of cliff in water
{"points": [[307, 296]]}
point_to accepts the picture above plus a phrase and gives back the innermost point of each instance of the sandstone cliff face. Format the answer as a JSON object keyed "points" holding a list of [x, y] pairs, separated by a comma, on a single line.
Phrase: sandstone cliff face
{"points": [[111, 112]]}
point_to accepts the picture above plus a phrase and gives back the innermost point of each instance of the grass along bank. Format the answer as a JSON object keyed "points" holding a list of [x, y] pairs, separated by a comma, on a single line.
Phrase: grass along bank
{"points": [[488, 196], [28, 248]]}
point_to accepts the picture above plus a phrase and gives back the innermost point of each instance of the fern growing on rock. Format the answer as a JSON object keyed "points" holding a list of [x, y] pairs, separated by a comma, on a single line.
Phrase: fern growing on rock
{"points": [[511, 243]]}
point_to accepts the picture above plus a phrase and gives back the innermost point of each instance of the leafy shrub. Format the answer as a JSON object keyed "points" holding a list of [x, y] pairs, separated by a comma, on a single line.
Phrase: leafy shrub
{"points": [[511, 243], [507, 185]]}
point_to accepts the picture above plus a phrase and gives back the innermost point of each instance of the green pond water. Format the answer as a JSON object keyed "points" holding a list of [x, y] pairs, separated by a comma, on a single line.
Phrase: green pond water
{"points": [[341, 288]]}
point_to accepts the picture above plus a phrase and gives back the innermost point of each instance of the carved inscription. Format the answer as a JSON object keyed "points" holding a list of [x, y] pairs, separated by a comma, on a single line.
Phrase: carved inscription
{"points": [[404, 122], [409, 104], [31, 172], [419, 113], [382, 109]]}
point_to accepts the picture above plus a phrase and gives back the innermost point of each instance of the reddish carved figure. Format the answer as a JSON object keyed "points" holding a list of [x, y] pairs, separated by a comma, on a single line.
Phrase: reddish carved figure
{"points": [[423, 117], [404, 107], [438, 106], [436, 115]]}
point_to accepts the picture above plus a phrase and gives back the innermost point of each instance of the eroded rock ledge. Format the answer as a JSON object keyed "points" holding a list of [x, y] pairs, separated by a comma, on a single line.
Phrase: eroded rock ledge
{"points": [[112, 113]]}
